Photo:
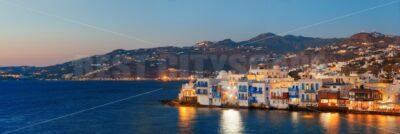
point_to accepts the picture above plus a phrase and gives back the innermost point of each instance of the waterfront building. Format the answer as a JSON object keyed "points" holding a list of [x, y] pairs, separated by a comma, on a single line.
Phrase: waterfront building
{"points": [[218, 91], [308, 92], [229, 92], [279, 98], [294, 94], [278, 92], [243, 92], [216, 96], [258, 94], [188, 93], [342, 90], [204, 88], [344, 97], [273, 88], [228, 88], [362, 99], [264, 81], [391, 97], [328, 98]]}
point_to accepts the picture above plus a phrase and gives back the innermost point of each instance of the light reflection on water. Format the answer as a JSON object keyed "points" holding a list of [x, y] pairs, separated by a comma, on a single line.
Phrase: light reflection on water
{"points": [[186, 116], [295, 117], [375, 123], [362, 123], [231, 122], [330, 121]]}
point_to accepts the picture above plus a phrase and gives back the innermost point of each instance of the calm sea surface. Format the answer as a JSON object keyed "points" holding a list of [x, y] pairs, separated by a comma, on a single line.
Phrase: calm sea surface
{"points": [[51, 107]]}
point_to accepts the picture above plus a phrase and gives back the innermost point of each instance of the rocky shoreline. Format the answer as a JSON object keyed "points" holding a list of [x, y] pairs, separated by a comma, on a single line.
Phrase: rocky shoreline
{"points": [[176, 103]]}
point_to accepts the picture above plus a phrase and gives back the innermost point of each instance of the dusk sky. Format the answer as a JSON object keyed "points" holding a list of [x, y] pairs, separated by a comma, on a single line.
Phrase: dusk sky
{"points": [[46, 32]]}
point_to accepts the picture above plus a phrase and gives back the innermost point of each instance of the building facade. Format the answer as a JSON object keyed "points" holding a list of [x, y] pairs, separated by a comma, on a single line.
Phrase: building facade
{"points": [[362, 99], [308, 92]]}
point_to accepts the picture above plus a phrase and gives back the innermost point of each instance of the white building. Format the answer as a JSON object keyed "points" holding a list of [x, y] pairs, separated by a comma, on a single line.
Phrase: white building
{"points": [[391, 96], [278, 92], [258, 94], [243, 93], [279, 98], [308, 92], [204, 88], [260, 74]]}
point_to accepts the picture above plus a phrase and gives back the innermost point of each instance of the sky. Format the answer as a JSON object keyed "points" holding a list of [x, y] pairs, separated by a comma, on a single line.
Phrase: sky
{"points": [[47, 32]]}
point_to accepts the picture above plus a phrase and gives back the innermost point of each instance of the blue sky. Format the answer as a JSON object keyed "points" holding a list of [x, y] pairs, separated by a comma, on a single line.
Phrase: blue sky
{"points": [[45, 32]]}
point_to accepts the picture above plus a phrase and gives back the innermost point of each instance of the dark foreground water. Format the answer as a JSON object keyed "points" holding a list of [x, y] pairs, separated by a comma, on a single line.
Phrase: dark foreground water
{"points": [[46, 107]]}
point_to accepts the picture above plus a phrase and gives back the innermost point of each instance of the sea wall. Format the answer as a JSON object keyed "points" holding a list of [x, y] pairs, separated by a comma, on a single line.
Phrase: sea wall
{"points": [[177, 103]]}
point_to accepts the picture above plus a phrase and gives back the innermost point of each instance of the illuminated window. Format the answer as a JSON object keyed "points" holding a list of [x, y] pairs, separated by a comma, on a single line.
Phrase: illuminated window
{"points": [[324, 100]]}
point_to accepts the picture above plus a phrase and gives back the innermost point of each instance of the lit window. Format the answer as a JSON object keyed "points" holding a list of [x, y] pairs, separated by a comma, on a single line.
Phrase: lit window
{"points": [[324, 101]]}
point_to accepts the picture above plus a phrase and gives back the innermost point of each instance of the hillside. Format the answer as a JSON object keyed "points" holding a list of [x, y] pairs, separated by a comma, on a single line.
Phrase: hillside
{"points": [[362, 52], [153, 62]]}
